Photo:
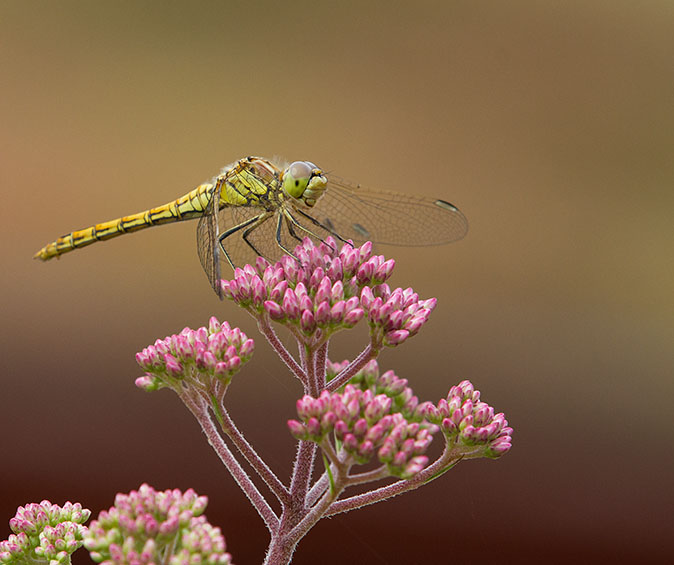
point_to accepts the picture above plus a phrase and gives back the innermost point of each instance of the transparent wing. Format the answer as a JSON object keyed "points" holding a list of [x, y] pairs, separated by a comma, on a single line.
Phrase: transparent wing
{"points": [[363, 214], [207, 238], [261, 235]]}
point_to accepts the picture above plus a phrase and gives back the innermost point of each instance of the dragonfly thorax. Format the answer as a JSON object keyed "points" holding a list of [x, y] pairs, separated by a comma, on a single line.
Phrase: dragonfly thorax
{"points": [[304, 181]]}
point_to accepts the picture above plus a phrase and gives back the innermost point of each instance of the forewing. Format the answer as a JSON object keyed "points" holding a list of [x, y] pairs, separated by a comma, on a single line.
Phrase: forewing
{"points": [[363, 214]]}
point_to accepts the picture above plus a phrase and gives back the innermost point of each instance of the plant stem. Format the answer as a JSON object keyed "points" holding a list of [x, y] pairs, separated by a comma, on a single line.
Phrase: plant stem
{"points": [[309, 363], [281, 351], [321, 362], [446, 461], [256, 462], [198, 407], [369, 353]]}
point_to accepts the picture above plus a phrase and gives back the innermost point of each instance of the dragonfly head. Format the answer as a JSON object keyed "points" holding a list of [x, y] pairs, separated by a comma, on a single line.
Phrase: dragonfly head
{"points": [[304, 181]]}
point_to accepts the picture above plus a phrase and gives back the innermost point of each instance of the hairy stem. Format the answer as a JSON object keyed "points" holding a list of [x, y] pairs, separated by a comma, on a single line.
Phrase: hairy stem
{"points": [[321, 363], [446, 461], [199, 409], [309, 363], [256, 462], [269, 333], [369, 353]]}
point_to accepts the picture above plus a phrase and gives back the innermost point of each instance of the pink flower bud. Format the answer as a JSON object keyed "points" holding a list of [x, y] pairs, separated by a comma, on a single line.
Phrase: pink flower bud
{"points": [[258, 291], [383, 272], [416, 465], [365, 251], [360, 427], [146, 383], [394, 321], [328, 421], [366, 449], [305, 407], [337, 311], [247, 348], [307, 322], [278, 291], [366, 297], [297, 429], [335, 270], [414, 325], [386, 452], [274, 310], [341, 429], [173, 367], [364, 273], [350, 259], [350, 443], [316, 277], [291, 305], [143, 359], [234, 363], [353, 317], [323, 291], [313, 427], [396, 337], [201, 335], [207, 360], [322, 316]]}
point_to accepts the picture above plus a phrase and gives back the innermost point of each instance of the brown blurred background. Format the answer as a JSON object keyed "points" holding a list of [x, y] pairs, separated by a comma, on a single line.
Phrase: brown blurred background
{"points": [[551, 124]]}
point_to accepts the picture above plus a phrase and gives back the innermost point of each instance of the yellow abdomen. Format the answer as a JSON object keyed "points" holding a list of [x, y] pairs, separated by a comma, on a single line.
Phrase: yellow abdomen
{"points": [[191, 205]]}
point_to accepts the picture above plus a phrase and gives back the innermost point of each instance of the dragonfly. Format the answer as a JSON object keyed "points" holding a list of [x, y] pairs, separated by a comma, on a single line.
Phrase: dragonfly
{"points": [[256, 208]]}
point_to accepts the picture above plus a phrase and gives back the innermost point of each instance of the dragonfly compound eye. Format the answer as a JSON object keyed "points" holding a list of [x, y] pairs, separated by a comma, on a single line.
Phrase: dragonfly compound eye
{"points": [[296, 178]]}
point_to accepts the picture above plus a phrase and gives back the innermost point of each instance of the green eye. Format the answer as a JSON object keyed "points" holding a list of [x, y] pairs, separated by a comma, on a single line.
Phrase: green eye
{"points": [[296, 178]]}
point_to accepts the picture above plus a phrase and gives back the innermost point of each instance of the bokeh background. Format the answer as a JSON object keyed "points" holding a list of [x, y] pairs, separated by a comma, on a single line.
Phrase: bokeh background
{"points": [[551, 124]]}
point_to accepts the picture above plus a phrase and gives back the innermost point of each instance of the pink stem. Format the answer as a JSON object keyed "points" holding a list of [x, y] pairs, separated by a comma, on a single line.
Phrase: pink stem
{"points": [[444, 463], [256, 462], [280, 349], [321, 362], [198, 407], [369, 353], [309, 363]]}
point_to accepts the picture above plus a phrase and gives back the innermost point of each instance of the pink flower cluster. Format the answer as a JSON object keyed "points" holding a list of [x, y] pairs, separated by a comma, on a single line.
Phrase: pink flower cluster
{"points": [[217, 351], [366, 426], [395, 315], [201, 543], [465, 420], [144, 524], [328, 290], [390, 384], [44, 533]]}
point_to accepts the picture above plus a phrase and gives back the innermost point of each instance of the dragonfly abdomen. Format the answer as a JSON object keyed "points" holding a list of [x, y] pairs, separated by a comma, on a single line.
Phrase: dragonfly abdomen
{"points": [[187, 207]]}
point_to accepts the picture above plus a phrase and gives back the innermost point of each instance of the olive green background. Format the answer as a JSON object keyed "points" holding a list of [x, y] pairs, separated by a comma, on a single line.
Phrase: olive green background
{"points": [[550, 124]]}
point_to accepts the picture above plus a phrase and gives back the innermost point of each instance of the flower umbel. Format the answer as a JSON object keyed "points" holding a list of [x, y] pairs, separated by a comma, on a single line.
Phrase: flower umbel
{"points": [[365, 426], [148, 526], [470, 424], [202, 357], [328, 290], [44, 533]]}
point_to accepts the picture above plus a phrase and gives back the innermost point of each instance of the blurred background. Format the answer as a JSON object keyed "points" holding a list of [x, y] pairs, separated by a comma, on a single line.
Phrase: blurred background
{"points": [[550, 124]]}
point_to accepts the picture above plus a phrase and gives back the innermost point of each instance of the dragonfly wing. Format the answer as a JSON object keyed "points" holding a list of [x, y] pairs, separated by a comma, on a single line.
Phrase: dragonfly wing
{"points": [[363, 214], [207, 240], [258, 238]]}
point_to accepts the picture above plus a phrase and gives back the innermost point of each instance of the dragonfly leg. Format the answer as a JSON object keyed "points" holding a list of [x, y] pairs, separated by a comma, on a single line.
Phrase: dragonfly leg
{"points": [[320, 225], [279, 227], [259, 220], [292, 221], [242, 225], [291, 230]]}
